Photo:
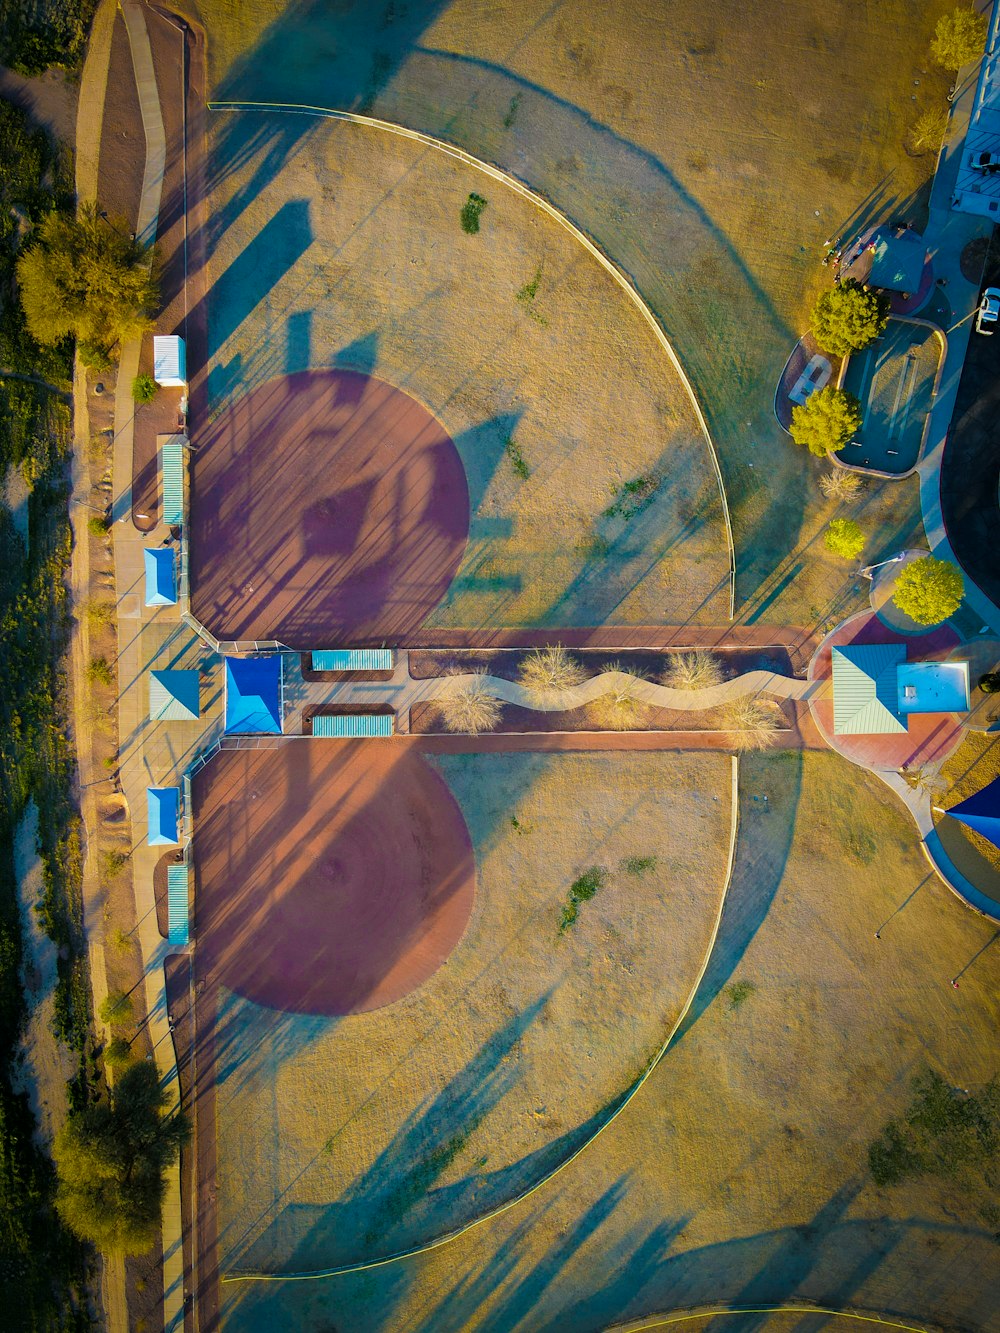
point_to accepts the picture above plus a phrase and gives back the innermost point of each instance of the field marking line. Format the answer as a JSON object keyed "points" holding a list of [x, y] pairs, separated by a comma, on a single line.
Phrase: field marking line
{"points": [[712, 1312], [906, 368], [909, 398], [626, 1100], [539, 200]]}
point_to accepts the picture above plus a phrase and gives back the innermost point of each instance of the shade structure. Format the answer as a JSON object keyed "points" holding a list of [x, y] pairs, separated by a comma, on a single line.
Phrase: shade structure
{"points": [[932, 687], [352, 659], [174, 696], [169, 360], [981, 812], [898, 262], [161, 581], [162, 804], [253, 694], [864, 688]]}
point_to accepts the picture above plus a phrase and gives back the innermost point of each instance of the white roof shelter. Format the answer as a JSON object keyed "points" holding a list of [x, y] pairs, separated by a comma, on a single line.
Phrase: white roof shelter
{"points": [[169, 361]]}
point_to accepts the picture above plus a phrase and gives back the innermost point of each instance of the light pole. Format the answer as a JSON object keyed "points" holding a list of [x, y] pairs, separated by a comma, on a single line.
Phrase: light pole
{"points": [[869, 570]]}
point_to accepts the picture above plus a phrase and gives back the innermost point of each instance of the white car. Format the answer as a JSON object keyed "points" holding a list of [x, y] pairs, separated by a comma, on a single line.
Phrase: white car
{"points": [[989, 311]]}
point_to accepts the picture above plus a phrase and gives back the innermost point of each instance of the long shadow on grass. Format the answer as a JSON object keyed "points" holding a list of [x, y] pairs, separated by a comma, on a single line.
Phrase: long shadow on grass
{"points": [[765, 837], [727, 331]]}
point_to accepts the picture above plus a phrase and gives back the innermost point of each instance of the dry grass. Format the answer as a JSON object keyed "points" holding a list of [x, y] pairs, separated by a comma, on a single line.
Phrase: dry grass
{"points": [[698, 670], [551, 669], [472, 709], [619, 709], [753, 722], [841, 485]]}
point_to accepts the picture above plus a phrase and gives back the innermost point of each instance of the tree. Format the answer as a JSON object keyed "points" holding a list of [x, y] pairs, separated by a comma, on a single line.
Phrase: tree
{"points": [[844, 538], [80, 277], [849, 317], [841, 485], [959, 38], [117, 1053], [116, 1007], [826, 420], [929, 590], [110, 1159]]}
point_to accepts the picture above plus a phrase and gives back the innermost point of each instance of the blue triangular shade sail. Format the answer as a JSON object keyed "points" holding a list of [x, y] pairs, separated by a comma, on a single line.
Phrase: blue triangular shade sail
{"points": [[162, 804], [161, 586], [981, 812], [253, 694]]}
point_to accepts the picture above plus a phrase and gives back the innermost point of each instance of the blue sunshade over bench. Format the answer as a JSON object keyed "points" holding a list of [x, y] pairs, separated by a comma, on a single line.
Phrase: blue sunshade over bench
{"points": [[253, 694]]}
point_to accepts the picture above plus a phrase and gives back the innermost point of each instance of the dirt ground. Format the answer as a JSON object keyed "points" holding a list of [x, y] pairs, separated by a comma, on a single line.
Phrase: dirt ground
{"points": [[710, 154], [350, 253], [739, 1173], [343, 1139]]}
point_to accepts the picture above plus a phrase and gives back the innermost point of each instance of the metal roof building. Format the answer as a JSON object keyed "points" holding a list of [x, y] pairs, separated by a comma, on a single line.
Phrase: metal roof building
{"points": [[169, 361], [254, 694], [864, 689], [161, 581], [162, 805], [174, 696]]}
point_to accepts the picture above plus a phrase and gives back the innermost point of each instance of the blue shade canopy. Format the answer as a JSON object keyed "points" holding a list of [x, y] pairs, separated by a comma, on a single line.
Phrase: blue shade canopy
{"points": [[253, 694], [864, 688], [162, 803], [174, 696], [898, 262], [161, 585], [981, 812]]}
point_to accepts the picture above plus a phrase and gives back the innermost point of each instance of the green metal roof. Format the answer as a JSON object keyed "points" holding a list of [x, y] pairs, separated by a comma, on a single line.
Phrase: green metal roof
{"points": [[864, 689], [177, 904], [172, 463], [357, 724], [173, 696]]}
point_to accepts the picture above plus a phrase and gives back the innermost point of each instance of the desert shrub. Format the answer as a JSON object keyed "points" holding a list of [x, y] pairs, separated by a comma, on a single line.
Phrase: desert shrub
{"points": [[844, 538], [929, 590], [620, 709], [632, 497], [117, 1008], [928, 130], [117, 1053], [697, 670], [98, 525], [753, 721], [110, 1160], [739, 992], [638, 865], [550, 669], [144, 389], [100, 613], [100, 672], [471, 709], [826, 421], [958, 38], [849, 318], [471, 212], [113, 862], [841, 485], [120, 940]]}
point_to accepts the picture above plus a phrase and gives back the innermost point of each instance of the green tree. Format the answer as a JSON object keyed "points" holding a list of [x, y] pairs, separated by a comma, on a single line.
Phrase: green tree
{"points": [[929, 590], [849, 318], [82, 278], [958, 38], [117, 1053], [110, 1161], [826, 420], [844, 538], [116, 1007]]}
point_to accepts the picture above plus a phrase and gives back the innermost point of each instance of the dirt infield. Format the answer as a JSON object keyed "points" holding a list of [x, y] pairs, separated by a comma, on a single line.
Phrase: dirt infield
{"points": [[327, 506], [332, 879]]}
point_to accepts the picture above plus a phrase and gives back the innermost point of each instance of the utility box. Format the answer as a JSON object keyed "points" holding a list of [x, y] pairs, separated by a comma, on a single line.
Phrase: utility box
{"points": [[169, 361]]}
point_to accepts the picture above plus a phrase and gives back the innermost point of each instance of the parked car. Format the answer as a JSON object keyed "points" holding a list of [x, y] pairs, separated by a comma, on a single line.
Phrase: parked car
{"points": [[989, 311], [988, 163]]}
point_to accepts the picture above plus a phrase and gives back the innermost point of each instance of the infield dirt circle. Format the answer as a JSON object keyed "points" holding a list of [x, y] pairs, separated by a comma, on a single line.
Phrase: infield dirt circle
{"points": [[332, 877], [327, 507]]}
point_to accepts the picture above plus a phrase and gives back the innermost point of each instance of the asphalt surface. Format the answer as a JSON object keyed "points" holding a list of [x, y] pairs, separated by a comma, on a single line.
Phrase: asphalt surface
{"points": [[970, 470]]}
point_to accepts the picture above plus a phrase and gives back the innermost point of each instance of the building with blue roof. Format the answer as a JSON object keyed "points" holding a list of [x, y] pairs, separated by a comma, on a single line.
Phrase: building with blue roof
{"points": [[163, 805], [254, 695], [161, 580]]}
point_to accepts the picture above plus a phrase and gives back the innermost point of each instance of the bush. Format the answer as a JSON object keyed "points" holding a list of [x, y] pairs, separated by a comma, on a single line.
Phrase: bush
{"points": [[100, 672], [471, 212], [619, 709], [739, 992], [82, 278], [550, 669], [844, 538], [959, 38], [754, 722], [990, 682], [826, 421], [98, 525], [110, 1160], [116, 1008], [583, 888], [117, 1053], [100, 614], [472, 708], [929, 590], [841, 485], [849, 318], [144, 389], [638, 865], [697, 670], [943, 1133], [928, 130]]}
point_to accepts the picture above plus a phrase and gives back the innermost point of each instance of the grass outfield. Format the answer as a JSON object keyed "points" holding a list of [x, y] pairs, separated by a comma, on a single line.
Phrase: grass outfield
{"points": [[346, 1139], [739, 1173], [709, 153], [592, 491]]}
